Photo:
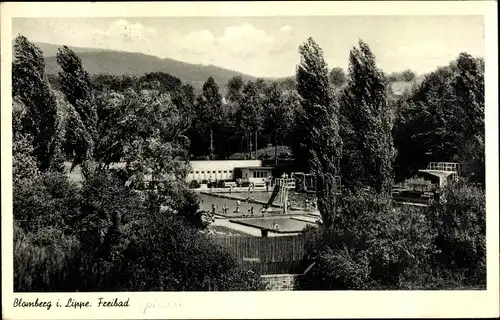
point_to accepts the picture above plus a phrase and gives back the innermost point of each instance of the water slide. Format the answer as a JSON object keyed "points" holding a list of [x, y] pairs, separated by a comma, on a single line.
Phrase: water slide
{"points": [[273, 196]]}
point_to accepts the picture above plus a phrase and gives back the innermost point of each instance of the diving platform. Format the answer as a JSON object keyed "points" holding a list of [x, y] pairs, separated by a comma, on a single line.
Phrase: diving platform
{"points": [[441, 172]]}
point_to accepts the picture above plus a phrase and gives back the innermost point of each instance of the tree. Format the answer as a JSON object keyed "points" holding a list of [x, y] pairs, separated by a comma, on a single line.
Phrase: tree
{"points": [[319, 142], [408, 75], [337, 77], [183, 98], [209, 110], [76, 86], [318, 145], [41, 119], [279, 109], [234, 88], [142, 134], [167, 82], [460, 221], [442, 120], [370, 245], [468, 87], [365, 103], [249, 115]]}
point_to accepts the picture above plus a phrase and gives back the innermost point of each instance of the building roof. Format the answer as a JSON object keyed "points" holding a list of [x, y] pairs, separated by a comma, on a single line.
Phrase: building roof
{"points": [[256, 168]]}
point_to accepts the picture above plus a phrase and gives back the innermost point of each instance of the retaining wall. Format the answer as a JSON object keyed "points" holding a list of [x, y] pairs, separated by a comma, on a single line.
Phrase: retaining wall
{"points": [[281, 282]]}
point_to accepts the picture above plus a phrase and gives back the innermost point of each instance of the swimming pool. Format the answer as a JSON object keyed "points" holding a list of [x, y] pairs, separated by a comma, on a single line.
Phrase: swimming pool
{"points": [[206, 202], [297, 200], [286, 225]]}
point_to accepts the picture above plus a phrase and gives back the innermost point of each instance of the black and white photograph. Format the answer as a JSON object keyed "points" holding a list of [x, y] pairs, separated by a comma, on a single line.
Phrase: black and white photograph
{"points": [[248, 153]]}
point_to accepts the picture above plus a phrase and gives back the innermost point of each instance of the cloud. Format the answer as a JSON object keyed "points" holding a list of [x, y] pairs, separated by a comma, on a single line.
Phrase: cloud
{"points": [[196, 42], [123, 30], [236, 42], [286, 29]]}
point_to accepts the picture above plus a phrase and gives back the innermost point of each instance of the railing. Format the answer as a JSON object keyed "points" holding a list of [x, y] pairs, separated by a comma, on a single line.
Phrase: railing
{"points": [[443, 166]]}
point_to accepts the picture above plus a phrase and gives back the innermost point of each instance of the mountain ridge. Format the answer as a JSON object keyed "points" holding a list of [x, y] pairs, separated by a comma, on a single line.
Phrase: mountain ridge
{"points": [[116, 62]]}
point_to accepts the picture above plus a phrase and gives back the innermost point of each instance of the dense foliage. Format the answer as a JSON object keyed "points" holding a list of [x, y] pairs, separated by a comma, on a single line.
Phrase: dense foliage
{"points": [[373, 245], [367, 127], [131, 224]]}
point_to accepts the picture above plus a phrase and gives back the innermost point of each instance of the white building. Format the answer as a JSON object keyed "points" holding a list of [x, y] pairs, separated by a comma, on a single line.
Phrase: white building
{"points": [[254, 174], [218, 169]]}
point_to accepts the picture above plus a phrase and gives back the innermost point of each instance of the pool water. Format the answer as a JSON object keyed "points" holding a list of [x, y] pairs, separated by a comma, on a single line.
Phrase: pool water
{"points": [[285, 224], [297, 199], [206, 201]]}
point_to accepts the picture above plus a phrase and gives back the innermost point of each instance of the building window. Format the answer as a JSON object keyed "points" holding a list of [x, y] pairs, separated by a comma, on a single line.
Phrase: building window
{"points": [[225, 171], [203, 172], [230, 171], [219, 171], [197, 172], [213, 171]]}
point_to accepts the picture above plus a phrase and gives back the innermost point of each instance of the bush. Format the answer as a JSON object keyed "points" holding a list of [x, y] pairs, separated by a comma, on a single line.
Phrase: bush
{"points": [[132, 246], [194, 184], [460, 219], [370, 245], [221, 184], [245, 184], [419, 184], [41, 260], [169, 256], [204, 181], [45, 200]]}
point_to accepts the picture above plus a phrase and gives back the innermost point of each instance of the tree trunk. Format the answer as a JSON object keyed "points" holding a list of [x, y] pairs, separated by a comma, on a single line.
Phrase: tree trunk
{"points": [[275, 152], [211, 144], [256, 144]]}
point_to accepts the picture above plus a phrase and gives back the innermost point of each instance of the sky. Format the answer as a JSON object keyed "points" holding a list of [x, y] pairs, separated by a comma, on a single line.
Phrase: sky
{"points": [[268, 46]]}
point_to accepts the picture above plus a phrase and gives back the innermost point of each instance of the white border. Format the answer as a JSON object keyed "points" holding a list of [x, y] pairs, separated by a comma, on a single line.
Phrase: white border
{"points": [[388, 304]]}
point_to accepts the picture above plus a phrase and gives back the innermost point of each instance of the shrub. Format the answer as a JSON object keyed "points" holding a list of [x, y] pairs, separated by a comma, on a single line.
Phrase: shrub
{"points": [[48, 199], [245, 184], [170, 256], [188, 207], [41, 260], [460, 219], [417, 183], [204, 181], [194, 184], [221, 184], [370, 245], [132, 246]]}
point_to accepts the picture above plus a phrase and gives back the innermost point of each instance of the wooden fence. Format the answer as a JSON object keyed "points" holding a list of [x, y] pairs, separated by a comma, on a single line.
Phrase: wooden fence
{"points": [[266, 255]]}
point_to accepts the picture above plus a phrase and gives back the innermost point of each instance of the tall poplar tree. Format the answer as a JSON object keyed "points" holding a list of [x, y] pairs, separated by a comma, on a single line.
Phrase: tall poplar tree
{"points": [[318, 145], [41, 119], [81, 131], [371, 120]]}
